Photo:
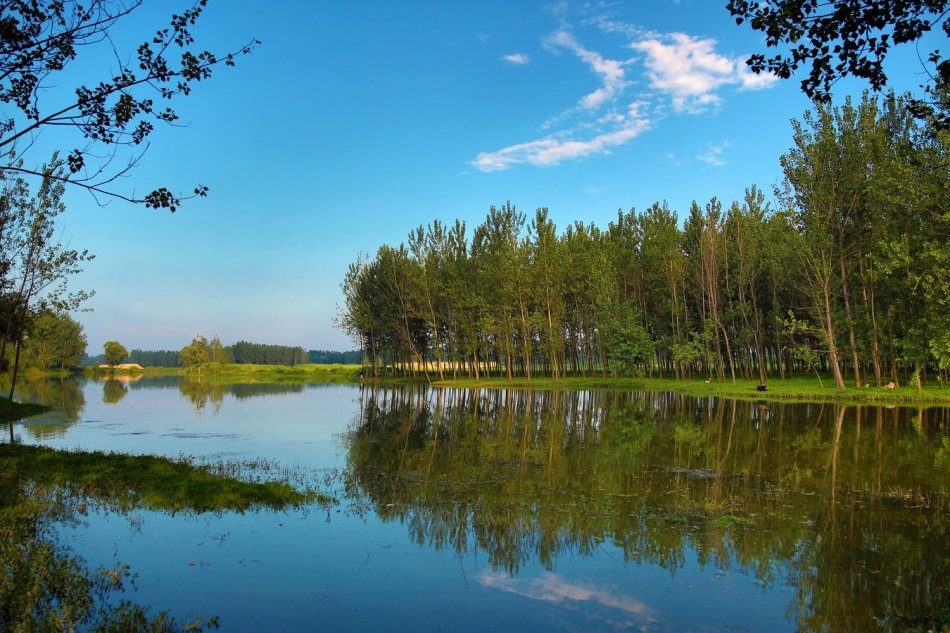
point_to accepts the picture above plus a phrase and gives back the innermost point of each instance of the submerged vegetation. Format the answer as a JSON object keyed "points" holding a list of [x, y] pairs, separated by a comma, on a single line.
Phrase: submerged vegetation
{"points": [[45, 587]]}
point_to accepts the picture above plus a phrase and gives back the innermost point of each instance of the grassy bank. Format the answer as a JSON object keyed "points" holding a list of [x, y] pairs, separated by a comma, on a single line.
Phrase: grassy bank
{"points": [[794, 389], [139, 481], [12, 411], [220, 372], [233, 373]]}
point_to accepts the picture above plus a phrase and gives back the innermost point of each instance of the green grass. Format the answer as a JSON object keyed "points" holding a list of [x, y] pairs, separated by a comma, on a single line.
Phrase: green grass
{"points": [[793, 389], [140, 481], [12, 411]]}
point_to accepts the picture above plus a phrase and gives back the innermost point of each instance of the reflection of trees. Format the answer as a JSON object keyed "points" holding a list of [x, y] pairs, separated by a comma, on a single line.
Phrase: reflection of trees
{"points": [[256, 390], [202, 393], [63, 395], [113, 391], [849, 510]]}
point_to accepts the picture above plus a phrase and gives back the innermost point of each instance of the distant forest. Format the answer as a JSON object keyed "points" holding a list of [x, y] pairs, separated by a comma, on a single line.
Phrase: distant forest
{"points": [[243, 353], [847, 275]]}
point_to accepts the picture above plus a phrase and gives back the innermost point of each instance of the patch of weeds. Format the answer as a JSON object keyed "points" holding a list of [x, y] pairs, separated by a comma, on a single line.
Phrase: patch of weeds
{"points": [[727, 521]]}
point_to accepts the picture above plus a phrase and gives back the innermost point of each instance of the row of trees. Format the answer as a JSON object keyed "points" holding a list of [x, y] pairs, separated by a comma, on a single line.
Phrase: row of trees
{"points": [[204, 350], [201, 351], [848, 273], [327, 357]]}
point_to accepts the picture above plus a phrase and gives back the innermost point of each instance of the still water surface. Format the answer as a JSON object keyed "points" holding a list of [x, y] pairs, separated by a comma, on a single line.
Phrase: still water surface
{"points": [[471, 510]]}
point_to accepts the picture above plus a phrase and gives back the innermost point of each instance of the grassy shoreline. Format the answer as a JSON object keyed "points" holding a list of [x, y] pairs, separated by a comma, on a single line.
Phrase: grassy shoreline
{"points": [[800, 388]]}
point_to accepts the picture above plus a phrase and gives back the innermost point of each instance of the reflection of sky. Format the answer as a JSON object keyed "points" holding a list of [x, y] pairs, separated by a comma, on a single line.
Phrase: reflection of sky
{"points": [[298, 428], [311, 570], [552, 587]]}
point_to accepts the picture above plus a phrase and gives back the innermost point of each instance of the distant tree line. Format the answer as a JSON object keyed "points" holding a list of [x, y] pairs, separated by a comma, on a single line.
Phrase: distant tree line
{"points": [[848, 275], [244, 352], [326, 357], [201, 350], [154, 358]]}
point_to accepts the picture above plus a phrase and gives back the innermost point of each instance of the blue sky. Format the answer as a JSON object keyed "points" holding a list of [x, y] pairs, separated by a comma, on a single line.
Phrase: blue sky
{"points": [[352, 123]]}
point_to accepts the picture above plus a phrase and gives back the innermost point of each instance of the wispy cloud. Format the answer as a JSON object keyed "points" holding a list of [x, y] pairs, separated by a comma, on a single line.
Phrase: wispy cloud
{"points": [[611, 72], [686, 75], [553, 150], [713, 154], [691, 72], [518, 59]]}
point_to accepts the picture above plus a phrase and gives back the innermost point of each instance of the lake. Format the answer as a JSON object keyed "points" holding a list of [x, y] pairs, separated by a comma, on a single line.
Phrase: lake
{"points": [[473, 510]]}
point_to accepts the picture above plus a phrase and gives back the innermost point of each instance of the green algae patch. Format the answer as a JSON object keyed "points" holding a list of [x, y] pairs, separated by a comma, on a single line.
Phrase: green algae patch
{"points": [[11, 411], [142, 481], [727, 521]]}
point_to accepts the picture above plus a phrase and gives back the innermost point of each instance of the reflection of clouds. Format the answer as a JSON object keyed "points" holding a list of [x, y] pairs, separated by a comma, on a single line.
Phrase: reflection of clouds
{"points": [[555, 588]]}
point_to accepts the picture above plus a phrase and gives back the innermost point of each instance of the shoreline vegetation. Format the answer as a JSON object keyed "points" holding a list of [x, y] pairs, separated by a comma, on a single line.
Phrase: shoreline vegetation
{"points": [[799, 388]]}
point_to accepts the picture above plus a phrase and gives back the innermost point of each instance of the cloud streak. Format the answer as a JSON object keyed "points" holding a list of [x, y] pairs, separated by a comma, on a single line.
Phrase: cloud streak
{"points": [[685, 74], [552, 151], [611, 72]]}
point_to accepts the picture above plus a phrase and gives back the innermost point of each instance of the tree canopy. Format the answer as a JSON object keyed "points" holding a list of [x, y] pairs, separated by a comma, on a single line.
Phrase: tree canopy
{"points": [[114, 352], [846, 274], [848, 37], [103, 126]]}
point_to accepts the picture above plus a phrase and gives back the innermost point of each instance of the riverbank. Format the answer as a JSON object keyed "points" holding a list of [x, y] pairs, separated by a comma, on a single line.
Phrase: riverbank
{"points": [[798, 389], [231, 372], [12, 411]]}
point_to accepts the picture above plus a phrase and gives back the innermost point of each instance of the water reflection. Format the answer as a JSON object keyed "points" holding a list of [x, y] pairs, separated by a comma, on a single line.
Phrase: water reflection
{"points": [[63, 395], [202, 394], [113, 391], [848, 504]]}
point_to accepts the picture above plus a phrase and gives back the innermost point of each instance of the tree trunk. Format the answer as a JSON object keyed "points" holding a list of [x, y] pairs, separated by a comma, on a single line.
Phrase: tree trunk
{"points": [[847, 310]]}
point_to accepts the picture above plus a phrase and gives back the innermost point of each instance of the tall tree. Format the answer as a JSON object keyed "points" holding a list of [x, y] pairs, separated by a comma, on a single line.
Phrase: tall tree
{"points": [[545, 258]]}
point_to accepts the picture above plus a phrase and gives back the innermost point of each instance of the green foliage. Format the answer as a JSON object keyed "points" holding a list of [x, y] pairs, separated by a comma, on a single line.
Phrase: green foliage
{"points": [[727, 521], [155, 358], [55, 340], [629, 343], [326, 357], [244, 352], [117, 110], [44, 587], [114, 352], [848, 38], [845, 276]]}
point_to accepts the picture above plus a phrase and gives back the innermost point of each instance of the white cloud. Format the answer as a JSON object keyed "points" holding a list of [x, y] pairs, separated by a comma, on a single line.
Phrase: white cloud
{"points": [[610, 71], [713, 154], [552, 151], [690, 71], [684, 71], [518, 59]]}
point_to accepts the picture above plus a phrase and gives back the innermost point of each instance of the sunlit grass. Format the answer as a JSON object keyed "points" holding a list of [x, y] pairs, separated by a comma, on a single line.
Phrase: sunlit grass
{"points": [[793, 389], [144, 481]]}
